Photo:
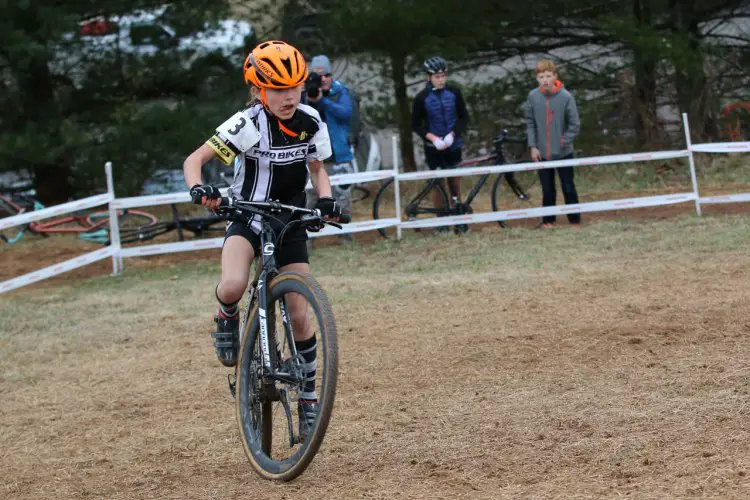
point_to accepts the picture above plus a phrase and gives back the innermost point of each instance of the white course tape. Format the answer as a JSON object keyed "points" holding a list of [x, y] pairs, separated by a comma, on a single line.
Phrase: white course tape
{"points": [[156, 199], [594, 206], [355, 227], [726, 198], [206, 244], [180, 246], [184, 197], [362, 177], [721, 147], [56, 269], [71, 206], [519, 167]]}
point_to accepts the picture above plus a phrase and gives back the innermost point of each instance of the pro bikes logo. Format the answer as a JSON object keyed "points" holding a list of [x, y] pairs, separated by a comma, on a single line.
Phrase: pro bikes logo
{"points": [[280, 154], [221, 149]]}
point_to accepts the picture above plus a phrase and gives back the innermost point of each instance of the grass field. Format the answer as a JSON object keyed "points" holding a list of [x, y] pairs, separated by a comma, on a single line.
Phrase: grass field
{"points": [[604, 362]]}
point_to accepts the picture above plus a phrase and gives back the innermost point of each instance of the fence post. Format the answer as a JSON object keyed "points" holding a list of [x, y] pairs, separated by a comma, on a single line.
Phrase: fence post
{"points": [[694, 177], [396, 186], [114, 223]]}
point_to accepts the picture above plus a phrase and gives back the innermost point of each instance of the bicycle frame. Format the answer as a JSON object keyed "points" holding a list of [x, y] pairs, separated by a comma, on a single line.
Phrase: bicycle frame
{"points": [[51, 226], [259, 291], [469, 198]]}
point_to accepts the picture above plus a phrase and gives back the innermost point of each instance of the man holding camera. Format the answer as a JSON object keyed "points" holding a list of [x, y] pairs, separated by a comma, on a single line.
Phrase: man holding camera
{"points": [[332, 100]]}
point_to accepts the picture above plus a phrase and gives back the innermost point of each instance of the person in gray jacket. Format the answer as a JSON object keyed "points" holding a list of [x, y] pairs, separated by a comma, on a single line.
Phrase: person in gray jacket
{"points": [[552, 123]]}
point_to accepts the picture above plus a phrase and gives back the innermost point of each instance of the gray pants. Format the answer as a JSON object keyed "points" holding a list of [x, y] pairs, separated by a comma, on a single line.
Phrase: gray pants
{"points": [[342, 194]]}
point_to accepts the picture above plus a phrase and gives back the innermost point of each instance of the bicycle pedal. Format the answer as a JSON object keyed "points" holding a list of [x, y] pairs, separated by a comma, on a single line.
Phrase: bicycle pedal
{"points": [[232, 380]]}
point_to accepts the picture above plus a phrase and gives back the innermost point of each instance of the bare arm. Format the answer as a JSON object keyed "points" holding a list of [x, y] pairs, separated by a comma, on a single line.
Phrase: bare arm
{"points": [[191, 167], [320, 178]]}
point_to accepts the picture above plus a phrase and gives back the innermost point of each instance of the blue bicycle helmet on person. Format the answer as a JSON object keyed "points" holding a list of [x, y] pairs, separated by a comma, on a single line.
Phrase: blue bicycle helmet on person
{"points": [[435, 65]]}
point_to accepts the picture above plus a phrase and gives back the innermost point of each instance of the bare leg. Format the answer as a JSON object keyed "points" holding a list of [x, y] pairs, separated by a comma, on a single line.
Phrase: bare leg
{"points": [[297, 305]]}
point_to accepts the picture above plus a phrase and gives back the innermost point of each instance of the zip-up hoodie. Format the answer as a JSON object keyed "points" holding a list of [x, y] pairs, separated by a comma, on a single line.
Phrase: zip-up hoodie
{"points": [[552, 121]]}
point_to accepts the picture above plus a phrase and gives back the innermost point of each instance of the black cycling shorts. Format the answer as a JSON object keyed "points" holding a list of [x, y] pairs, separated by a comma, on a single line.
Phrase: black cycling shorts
{"points": [[293, 249], [442, 159]]}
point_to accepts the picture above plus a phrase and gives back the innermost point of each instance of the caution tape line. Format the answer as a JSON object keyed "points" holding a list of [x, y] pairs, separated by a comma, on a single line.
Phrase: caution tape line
{"points": [[726, 198], [721, 147], [595, 206], [156, 199], [64, 208], [180, 246], [521, 167], [362, 177], [356, 227]]}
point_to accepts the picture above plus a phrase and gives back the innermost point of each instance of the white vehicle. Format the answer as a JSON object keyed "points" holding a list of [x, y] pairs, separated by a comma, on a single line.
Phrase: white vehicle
{"points": [[146, 33]]}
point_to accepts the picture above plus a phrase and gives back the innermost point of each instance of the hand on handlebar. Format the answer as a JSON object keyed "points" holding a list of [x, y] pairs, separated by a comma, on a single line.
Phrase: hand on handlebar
{"points": [[329, 208], [206, 195]]}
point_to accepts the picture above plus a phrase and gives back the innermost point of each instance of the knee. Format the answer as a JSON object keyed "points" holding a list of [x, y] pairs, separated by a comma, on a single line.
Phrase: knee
{"points": [[297, 308], [231, 290], [569, 188]]}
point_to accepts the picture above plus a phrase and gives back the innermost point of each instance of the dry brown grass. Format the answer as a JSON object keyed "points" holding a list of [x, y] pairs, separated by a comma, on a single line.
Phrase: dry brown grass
{"points": [[607, 362]]}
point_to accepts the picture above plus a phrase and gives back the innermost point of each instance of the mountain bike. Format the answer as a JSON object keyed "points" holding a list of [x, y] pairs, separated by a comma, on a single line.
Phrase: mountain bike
{"points": [[197, 225], [10, 207], [88, 225], [269, 373], [422, 203]]}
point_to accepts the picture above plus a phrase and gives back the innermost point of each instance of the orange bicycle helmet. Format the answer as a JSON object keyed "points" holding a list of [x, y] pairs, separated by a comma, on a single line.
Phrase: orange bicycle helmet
{"points": [[275, 65]]}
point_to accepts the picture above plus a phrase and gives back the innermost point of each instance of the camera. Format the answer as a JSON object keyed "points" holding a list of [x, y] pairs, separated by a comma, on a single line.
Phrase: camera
{"points": [[312, 84]]}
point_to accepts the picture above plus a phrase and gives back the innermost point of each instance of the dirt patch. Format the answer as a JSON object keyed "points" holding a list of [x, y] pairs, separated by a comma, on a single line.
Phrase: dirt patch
{"points": [[573, 370]]}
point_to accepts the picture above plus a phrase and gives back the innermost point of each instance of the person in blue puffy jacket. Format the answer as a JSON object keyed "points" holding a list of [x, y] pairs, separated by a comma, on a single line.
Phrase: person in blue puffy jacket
{"points": [[439, 117]]}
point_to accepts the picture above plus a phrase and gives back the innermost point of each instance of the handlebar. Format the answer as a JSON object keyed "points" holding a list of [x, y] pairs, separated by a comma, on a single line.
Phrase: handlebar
{"points": [[503, 137], [237, 210]]}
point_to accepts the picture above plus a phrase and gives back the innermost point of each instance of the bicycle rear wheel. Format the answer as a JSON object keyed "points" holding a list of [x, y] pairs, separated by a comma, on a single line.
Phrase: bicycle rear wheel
{"points": [[412, 207], [264, 404], [518, 188], [359, 193]]}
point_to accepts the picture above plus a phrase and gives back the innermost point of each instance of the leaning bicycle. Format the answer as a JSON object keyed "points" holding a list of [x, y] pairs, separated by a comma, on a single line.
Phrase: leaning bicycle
{"points": [[432, 199], [270, 375]]}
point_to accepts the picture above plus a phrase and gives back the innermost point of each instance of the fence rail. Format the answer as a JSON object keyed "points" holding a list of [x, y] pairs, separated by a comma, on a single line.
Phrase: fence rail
{"points": [[117, 253]]}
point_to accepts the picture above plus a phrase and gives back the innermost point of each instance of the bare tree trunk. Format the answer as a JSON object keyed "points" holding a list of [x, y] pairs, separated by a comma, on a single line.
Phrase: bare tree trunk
{"points": [[644, 63], [398, 73], [51, 175], [693, 89]]}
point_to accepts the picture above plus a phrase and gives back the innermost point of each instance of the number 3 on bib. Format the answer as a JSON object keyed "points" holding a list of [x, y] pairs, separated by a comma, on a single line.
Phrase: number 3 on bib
{"points": [[234, 136]]}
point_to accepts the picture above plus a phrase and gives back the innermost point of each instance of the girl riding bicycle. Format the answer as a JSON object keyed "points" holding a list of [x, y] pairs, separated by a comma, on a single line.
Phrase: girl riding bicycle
{"points": [[274, 143]]}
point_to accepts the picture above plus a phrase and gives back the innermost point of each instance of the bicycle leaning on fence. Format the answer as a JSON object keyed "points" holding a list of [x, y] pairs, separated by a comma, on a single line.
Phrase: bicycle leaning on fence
{"points": [[270, 373], [422, 203]]}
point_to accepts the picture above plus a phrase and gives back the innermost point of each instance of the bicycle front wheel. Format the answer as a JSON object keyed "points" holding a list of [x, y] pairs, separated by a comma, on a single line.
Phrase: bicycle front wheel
{"points": [[127, 219], [267, 403], [517, 187]]}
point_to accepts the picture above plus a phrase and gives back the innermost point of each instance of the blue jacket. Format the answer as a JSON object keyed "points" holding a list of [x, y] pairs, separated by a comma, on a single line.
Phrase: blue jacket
{"points": [[336, 110], [440, 112]]}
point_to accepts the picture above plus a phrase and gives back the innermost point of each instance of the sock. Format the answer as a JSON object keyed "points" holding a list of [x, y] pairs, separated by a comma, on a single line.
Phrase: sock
{"points": [[308, 350], [226, 311]]}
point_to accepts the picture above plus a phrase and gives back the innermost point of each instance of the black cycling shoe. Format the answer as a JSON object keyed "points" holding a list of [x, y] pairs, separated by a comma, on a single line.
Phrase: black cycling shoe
{"points": [[226, 339], [307, 412]]}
